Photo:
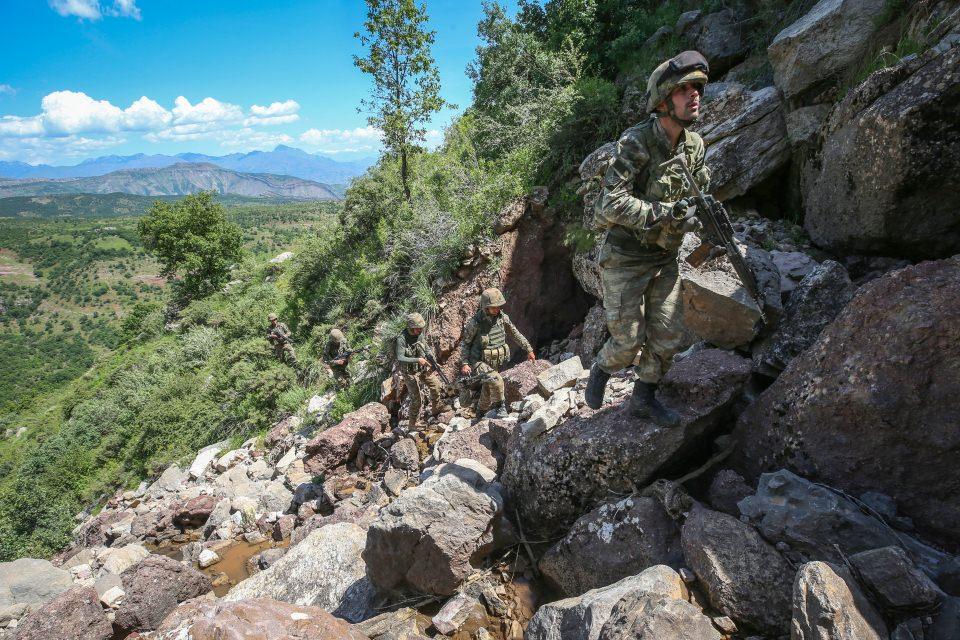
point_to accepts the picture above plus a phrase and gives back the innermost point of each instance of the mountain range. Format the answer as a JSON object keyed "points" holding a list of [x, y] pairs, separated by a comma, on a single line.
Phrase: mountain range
{"points": [[177, 179], [282, 160]]}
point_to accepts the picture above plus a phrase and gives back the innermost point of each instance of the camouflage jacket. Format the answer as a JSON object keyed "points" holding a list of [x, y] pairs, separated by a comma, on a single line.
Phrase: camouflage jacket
{"points": [[486, 332], [409, 350], [333, 349], [635, 187], [278, 335]]}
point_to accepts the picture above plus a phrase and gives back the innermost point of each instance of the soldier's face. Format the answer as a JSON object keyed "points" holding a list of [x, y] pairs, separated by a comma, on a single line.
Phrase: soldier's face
{"points": [[273, 322], [493, 311], [416, 331], [686, 101]]}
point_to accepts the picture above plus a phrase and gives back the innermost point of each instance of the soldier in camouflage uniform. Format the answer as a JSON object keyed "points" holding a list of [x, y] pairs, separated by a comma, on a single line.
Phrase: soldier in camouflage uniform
{"points": [[484, 348], [644, 210], [411, 351], [336, 346], [279, 337]]}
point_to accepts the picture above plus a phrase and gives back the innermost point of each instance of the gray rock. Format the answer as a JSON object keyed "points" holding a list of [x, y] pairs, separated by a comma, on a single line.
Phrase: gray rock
{"points": [[427, 539], [31, 581], [118, 560], [405, 455], [204, 459], [594, 334], [402, 624], [652, 618], [472, 441], [719, 37], [793, 267], [897, 584], [583, 617], [612, 542], [726, 490], [826, 41], [154, 587], [745, 577], [170, 480], [946, 626], [559, 376], [813, 521], [746, 138], [860, 184], [803, 124], [560, 475], [828, 605], [325, 570], [73, 615], [816, 302]]}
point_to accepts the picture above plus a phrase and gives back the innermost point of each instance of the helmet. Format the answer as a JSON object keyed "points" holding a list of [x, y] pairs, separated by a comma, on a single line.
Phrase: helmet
{"points": [[336, 334], [689, 66], [415, 321], [272, 317], [492, 297]]}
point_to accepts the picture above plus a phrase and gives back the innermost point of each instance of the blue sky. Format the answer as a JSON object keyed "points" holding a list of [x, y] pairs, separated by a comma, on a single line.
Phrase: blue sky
{"points": [[83, 78]]}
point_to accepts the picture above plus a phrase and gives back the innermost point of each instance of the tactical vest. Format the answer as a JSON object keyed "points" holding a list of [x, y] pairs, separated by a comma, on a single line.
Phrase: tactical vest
{"points": [[490, 344], [416, 349]]}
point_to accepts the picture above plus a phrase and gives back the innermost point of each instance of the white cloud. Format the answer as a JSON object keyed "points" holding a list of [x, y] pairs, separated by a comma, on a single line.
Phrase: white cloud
{"points": [[125, 9], [276, 113], [83, 9], [247, 139], [145, 114], [207, 110], [14, 127], [54, 150], [343, 140], [6, 88]]}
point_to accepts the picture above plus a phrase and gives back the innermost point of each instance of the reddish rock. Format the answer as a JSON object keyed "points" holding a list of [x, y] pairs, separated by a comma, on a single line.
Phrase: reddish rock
{"points": [[157, 524], [872, 405], [339, 444], [521, 380], [73, 615], [255, 619], [284, 527], [280, 431], [154, 587], [93, 533], [474, 442], [195, 511]]}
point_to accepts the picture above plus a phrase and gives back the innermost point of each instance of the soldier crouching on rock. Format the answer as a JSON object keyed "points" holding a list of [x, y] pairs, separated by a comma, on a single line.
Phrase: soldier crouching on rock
{"points": [[643, 208], [484, 348]]}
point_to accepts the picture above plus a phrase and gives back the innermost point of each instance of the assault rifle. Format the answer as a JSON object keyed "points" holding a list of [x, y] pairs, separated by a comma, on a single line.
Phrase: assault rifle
{"points": [[436, 367], [719, 236], [343, 355], [275, 335]]}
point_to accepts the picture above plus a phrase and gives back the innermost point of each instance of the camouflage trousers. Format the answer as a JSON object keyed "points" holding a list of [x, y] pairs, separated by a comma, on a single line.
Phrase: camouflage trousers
{"points": [[641, 301], [285, 353], [491, 389], [340, 374], [415, 382]]}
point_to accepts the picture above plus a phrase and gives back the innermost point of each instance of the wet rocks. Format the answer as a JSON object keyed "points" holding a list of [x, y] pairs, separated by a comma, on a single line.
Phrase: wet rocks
{"points": [[871, 405], [612, 542], [828, 605], [253, 619], [153, 588], [744, 575], [340, 443], [426, 539], [73, 615], [325, 570]]}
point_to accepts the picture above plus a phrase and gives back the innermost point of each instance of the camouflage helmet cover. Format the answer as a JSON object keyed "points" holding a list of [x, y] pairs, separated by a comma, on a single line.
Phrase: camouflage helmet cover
{"points": [[336, 334], [689, 66], [415, 321], [492, 297], [272, 317]]}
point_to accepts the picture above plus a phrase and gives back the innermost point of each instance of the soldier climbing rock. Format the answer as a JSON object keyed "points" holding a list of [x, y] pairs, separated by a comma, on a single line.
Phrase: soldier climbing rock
{"points": [[643, 208], [336, 354], [412, 349], [484, 348], [279, 337]]}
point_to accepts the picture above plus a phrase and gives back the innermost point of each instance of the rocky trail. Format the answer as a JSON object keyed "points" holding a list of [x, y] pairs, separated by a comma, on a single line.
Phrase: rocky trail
{"points": [[810, 490]]}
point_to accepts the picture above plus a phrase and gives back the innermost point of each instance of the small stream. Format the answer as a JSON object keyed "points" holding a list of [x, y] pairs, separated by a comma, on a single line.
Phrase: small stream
{"points": [[232, 568]]}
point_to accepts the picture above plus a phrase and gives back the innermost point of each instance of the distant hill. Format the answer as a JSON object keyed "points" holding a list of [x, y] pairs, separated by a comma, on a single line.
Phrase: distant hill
{"points": [[176, 180], [282, 160]]}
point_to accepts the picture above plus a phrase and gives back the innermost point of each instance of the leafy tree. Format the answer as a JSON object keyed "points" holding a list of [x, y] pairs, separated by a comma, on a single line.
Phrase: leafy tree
{"points": [[406, 87], [193, 239]]}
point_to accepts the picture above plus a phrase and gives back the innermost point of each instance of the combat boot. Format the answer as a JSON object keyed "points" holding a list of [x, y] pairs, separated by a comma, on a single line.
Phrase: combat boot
{"points": [[644, 405], [595, 386], [498, 412]]}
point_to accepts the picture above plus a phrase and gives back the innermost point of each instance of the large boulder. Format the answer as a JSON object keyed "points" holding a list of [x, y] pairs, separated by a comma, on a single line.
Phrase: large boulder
{"points": [[871, 406], [746, 139], [882, 182], [720, 38], [593, 335], [325, 570], [891, 576], [31, 581], [818, 523], [639, 617], [521, 380], [820, 46], [554, 477], [828, 605], [73, 615], [583, 617], [153, 588], [254, 619], [744, 575], [612, 542], [815, 303], [339, 444], [471, 441], [427, 539]]}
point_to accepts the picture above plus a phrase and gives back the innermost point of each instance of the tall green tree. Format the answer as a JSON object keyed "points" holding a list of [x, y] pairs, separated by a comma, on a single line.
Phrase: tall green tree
{"points": [[406, 84], [192, 239]]}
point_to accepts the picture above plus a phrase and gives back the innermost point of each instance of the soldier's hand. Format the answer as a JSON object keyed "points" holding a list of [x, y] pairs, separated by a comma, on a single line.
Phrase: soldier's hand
{"points": [[339, 362], [531, 356], [691, 223], [422, 361], [465, 369]]}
